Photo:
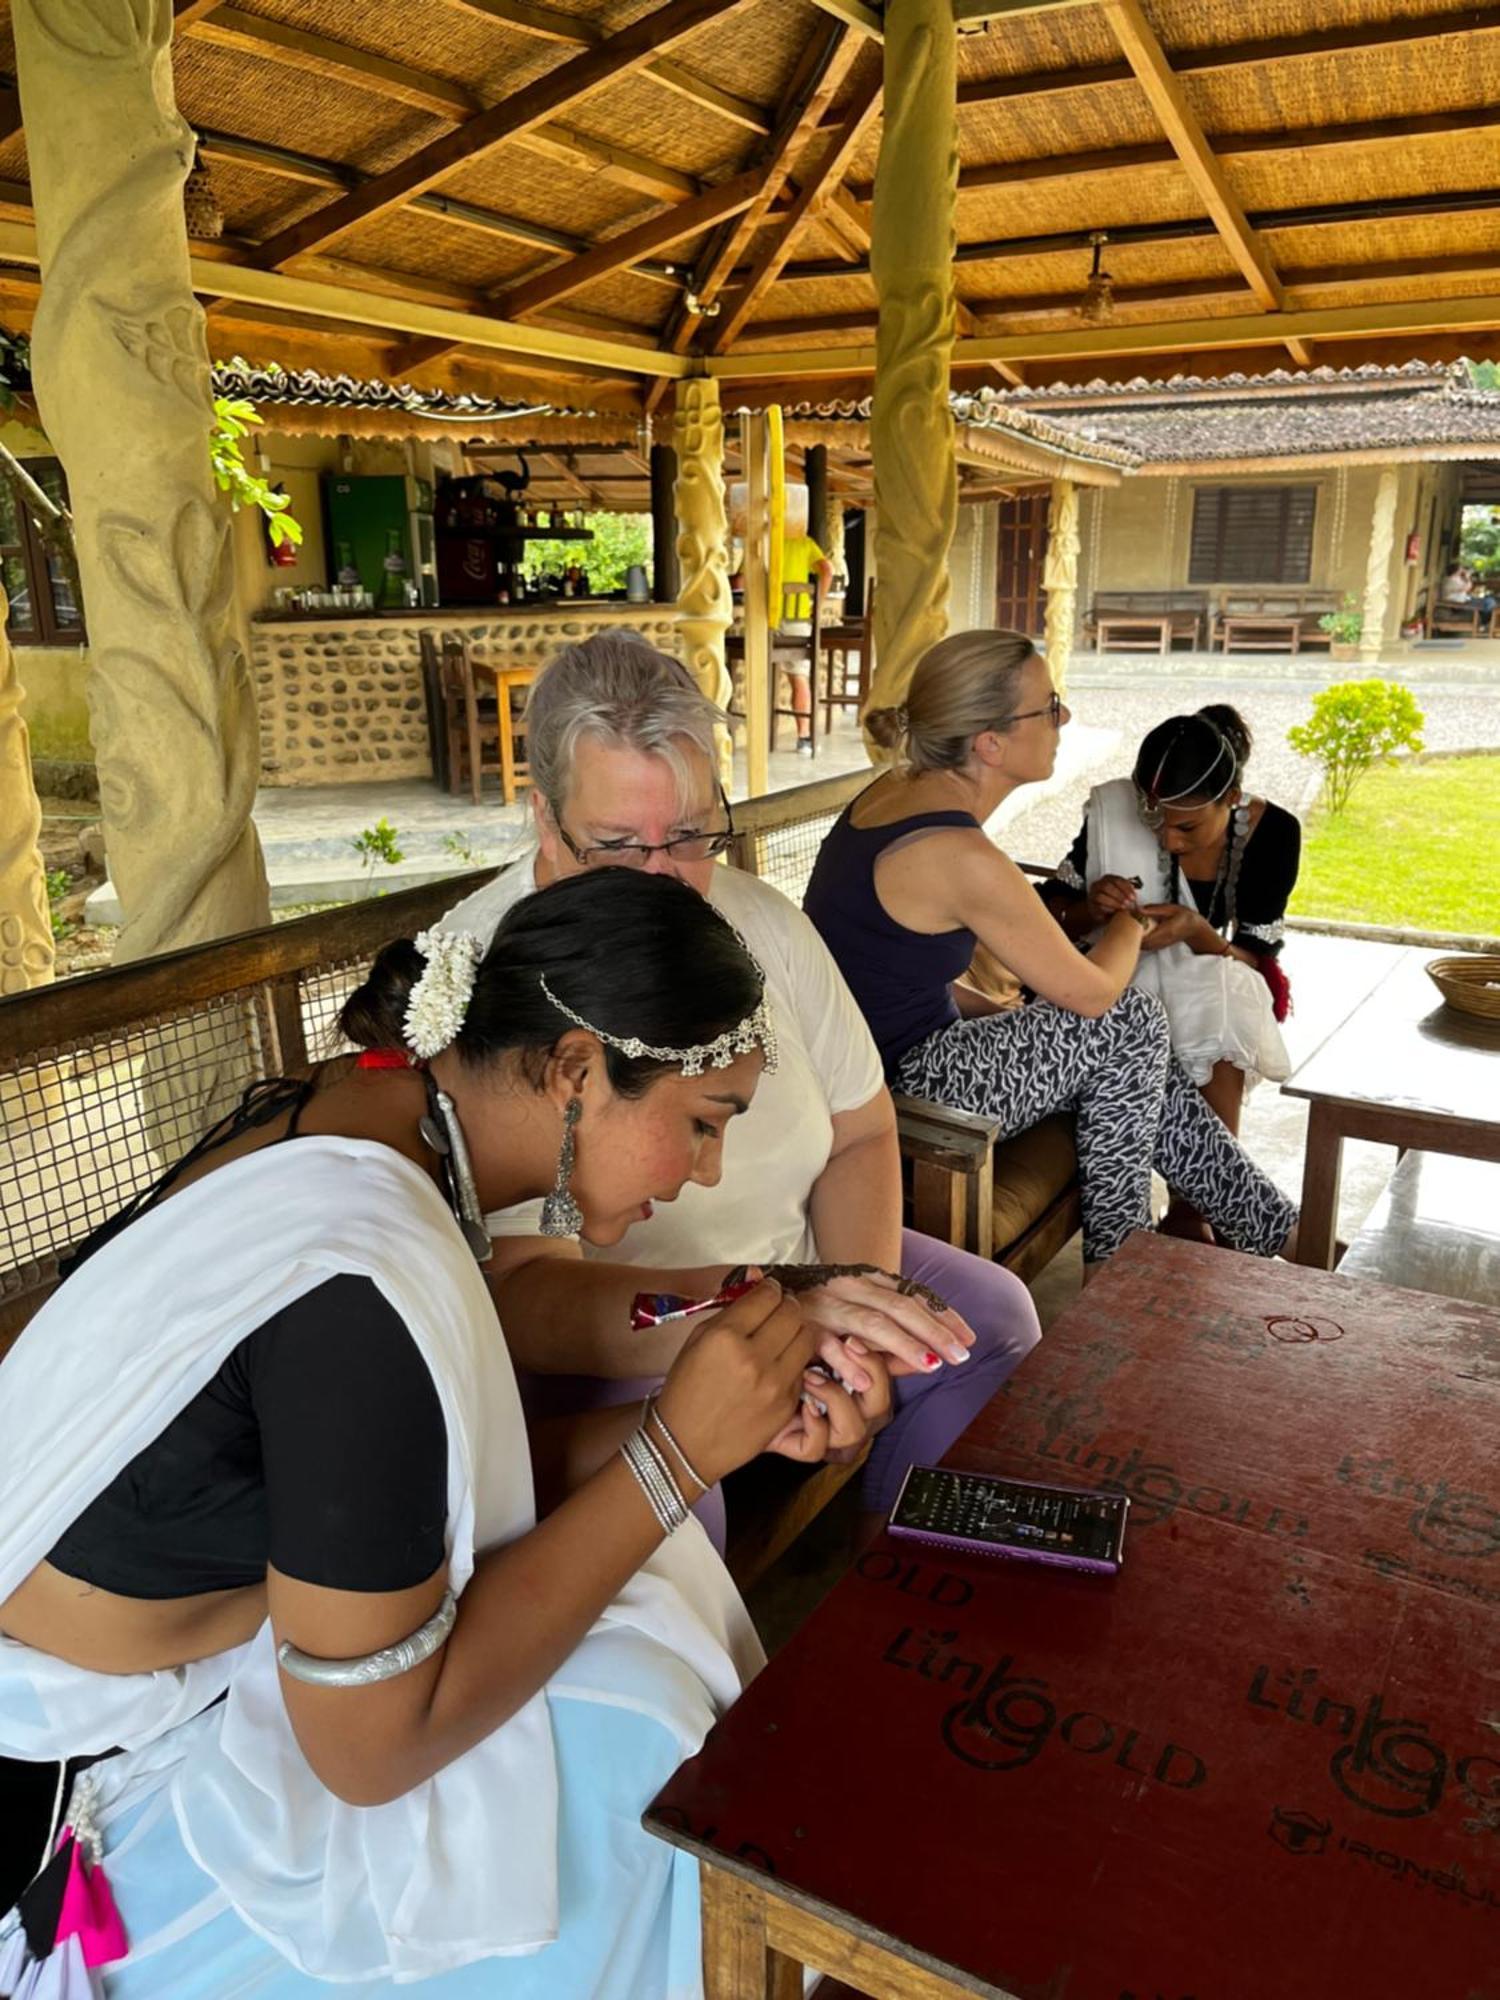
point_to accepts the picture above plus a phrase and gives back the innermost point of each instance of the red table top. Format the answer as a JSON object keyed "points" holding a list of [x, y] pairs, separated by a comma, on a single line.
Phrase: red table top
{"points": [[1263, 1760]]}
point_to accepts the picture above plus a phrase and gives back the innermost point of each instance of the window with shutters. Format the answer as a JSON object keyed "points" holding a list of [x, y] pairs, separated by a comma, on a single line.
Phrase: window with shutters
{"points": [[42, 609], [1252, 534]]}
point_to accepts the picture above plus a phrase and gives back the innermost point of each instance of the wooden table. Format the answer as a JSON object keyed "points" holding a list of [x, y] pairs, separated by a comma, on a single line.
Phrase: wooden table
{"points": [[1152, 630], [1263, 1760], [1435, 1229], [1252, 634], [1404, 1070], [504, 680]]}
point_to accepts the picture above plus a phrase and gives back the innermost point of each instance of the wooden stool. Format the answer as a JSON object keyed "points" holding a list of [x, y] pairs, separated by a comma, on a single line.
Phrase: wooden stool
{"points": [[505, 681]]}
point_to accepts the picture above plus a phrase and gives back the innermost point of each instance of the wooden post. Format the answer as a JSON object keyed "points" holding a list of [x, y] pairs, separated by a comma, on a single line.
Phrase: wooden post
{"points": [[911, 261], [704, 596], [121, 372], [666, 571], [756, 458], [1378, 568], [26, 949], [815, 465], [1060, 580]]}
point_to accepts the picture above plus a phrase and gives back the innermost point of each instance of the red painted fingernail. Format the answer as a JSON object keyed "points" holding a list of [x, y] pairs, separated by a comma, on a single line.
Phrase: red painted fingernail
{"points": [[931, 1359]]}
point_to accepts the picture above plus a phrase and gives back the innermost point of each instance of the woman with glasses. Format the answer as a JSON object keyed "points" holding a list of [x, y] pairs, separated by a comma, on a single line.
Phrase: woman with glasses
{"points": [[907, 885], [1180, 840], [622, 747]]}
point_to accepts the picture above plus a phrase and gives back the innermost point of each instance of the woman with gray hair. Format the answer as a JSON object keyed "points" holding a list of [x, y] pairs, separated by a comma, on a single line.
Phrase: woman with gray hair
{"points": [[623, 751], [907, 884]]}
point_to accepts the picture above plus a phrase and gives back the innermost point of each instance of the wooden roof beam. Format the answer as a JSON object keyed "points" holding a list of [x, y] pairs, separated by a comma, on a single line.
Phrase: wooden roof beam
{"points": [[811, 197], [1144, 53], [574, 31], [1234, 55], [854, 14], [1272, 329], [578, 77]]}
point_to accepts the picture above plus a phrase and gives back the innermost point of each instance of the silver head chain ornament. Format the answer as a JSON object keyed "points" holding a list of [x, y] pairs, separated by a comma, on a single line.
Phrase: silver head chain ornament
{"points": [[757, 1030]]}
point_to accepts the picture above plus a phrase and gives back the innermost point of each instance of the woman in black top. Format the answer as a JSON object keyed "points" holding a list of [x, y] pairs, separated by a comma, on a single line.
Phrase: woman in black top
{"points": [[266, 1520], [1181, 841]]}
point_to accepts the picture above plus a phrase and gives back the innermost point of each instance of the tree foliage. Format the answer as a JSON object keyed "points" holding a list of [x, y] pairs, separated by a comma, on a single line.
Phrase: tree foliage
{"points": [[1353, 725], [619, 540], [234, 419]]}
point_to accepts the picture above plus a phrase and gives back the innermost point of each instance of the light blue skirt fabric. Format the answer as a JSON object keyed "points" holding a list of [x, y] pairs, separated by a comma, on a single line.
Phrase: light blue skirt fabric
{"points": [[629, 1914]]}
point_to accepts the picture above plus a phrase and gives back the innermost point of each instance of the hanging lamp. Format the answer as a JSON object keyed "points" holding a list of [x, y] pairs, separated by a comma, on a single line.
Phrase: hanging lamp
{"points": [[1098, 301]]}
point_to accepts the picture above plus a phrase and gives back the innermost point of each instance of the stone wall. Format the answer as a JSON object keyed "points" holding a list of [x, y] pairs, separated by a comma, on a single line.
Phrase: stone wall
{"points": [[341, 699]]}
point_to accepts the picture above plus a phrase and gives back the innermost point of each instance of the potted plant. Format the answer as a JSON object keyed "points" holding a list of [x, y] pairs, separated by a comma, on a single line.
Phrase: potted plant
{"points": [[1344, 627]]}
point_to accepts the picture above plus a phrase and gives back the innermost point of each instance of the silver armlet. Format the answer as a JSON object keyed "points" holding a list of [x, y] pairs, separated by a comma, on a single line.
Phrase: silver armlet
{"points": [[368, 1668]]}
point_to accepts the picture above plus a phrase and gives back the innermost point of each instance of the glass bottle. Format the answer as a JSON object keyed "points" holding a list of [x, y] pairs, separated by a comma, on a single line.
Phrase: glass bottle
{"points": [[392, 592], [348, 576]]}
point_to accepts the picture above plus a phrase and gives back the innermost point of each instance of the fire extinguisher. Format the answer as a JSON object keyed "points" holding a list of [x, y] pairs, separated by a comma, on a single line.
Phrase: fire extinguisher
{"points": [[1414, 547]]}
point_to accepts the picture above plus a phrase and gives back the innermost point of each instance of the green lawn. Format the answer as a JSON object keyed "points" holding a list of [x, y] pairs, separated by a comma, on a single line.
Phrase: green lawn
{"points": [[1419, 846]]}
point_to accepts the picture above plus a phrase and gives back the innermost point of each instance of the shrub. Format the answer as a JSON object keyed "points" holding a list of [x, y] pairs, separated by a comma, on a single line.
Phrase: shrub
{"points": [[1353, 725], [59, 885]]}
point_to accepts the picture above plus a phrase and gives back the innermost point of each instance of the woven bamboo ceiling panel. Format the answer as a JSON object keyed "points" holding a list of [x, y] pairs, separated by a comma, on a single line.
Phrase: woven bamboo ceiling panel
{"points": [[622, 174]]}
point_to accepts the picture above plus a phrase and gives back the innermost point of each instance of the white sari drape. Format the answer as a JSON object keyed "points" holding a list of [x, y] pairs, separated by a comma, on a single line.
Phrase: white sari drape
{"points": [[465, 1866], [1218, 1008]]}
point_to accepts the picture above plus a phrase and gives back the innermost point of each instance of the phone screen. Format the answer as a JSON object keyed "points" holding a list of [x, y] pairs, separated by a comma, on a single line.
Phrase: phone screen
{"points": [[1013, 1517]]}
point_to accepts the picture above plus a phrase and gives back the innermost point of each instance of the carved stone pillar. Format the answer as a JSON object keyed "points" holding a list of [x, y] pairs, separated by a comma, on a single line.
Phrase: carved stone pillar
{"points": [[911, 260], [1378, 568], [1060, 580], [121, 373], [26, 949], [704, 598]]}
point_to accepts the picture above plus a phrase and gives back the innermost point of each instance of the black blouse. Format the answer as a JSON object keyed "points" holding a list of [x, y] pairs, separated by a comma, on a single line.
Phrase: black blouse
{"points": [[1268, 875]]}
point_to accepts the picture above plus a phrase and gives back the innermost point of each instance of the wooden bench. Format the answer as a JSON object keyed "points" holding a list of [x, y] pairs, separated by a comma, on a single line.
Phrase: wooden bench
{"points": [[1272, 621], [1147, 621], [1464, 621]]}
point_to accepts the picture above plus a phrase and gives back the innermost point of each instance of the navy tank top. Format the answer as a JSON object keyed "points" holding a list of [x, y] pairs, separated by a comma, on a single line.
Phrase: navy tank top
{"points": [[899, 977]]}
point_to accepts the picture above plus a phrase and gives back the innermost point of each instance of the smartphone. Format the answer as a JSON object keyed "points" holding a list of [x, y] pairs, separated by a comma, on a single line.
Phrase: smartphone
{"points": [[1078, 1527]]}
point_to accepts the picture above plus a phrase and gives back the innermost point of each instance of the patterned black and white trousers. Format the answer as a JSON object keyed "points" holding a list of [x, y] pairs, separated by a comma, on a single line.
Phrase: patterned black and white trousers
{"points": [[1135, 1108]]}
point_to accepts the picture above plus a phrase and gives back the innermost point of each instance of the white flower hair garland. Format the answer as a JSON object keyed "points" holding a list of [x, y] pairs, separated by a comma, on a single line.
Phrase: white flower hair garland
{"points": [[440, 999]]}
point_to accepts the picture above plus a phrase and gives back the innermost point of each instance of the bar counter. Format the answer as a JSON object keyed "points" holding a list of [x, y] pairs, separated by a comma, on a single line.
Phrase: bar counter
{"points": [[341, 695]]}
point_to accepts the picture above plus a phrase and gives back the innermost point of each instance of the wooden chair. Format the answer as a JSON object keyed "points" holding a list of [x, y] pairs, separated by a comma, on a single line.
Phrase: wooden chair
{"points": [[1453, 621], [848, 663], [510, 683], [797, 652], [465, 717]]}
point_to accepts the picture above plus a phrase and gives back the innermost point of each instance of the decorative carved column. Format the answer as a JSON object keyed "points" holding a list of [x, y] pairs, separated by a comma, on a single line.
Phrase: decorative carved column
{"points": [[26, 948], [704, 598], [911, 260], [1060, 580], [1378, 568], [121, 373]]}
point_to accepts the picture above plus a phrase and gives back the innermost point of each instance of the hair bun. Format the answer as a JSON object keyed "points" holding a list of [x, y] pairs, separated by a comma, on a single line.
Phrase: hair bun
{"points": [[887, 725]]}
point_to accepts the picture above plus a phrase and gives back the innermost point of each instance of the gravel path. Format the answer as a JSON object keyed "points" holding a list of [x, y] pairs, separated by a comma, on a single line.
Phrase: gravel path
{"points": [[1457, 717]]}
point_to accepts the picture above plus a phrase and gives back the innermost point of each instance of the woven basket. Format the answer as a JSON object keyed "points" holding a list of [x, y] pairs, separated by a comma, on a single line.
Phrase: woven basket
{"points": [[1471, 984]]}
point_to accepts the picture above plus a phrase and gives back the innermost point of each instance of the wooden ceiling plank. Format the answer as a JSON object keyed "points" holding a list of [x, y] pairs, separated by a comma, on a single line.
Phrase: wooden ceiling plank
{"points": [[531, 19], [812, 195], [711, 96], [612, 162], [257, 35], [186, 12], [1144, 52], [533, 105]]}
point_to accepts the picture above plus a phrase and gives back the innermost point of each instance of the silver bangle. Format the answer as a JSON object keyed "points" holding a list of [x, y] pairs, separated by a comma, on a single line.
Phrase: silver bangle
{"points": [[677, 1451], [368, 1668], [655, 1481]]}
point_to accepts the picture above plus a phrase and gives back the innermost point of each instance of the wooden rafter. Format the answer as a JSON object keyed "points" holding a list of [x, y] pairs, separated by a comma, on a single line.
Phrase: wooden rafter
{"points": [[1235, 55], [258, 35], [854, 14], [578, 77], [619, 252], [825, 64], [812, 194], [1184, 132]]}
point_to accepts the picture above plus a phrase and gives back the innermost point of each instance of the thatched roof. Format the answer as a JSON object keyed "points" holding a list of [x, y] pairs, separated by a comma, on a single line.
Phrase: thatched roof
{"points": [[1308, 179]]}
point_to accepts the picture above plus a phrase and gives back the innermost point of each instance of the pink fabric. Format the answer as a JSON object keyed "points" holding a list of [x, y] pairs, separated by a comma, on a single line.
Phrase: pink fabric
{"points": [[89, 1913]]}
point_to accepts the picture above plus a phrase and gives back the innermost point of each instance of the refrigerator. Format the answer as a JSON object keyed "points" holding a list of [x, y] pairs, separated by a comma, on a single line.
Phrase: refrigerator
{"points": [[363, 512]]}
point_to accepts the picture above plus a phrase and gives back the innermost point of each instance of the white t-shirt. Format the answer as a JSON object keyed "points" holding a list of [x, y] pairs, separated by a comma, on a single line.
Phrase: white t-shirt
{"points": [[827, 1062]]}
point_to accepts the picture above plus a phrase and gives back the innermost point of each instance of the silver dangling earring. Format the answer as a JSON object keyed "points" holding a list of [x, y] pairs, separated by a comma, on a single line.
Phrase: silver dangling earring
{"points": [[561, 1215]]}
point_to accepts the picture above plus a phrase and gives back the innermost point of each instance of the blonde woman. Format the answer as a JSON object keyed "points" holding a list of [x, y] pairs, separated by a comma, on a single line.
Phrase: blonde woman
{"points": [[907, 884]]}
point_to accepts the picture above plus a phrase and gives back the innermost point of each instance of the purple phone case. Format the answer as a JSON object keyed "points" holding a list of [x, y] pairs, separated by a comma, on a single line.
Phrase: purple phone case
{"points": [[1096, 1565]]}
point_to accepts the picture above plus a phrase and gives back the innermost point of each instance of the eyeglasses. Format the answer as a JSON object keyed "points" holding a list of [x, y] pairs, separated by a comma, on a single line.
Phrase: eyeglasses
{"points": [[1053, 712], [636, 854]]}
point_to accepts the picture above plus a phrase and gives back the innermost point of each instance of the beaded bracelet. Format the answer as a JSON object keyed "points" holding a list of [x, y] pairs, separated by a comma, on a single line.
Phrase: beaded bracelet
{"points": [[651, 1412], [654, 1477]]}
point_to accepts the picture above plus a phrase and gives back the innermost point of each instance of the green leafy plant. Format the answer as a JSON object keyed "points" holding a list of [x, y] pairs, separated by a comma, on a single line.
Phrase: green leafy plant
{"points": [[1353, 725], [377, 845], [1479, 541], [234, 419], [619, 540], [463, 849], [1345, 625], [59, 884]]}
